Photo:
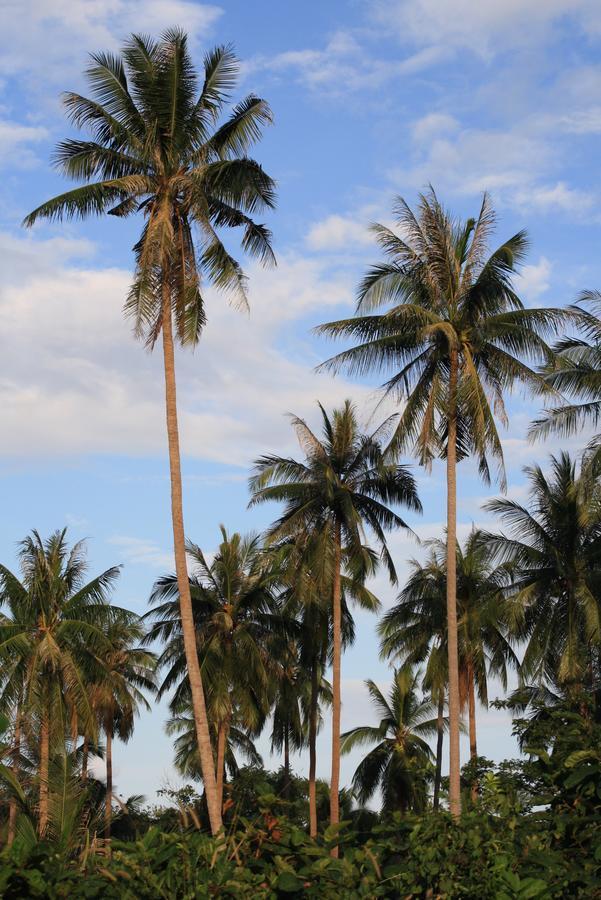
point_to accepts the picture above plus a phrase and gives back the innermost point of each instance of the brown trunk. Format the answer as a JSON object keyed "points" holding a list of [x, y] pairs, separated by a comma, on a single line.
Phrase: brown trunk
{"points": [[454, 712], [203, 737], [12, 809], [84, 758], [220, 767], [336, 702], [439, 741], [44, 766], [287, 763], [74, 730], [313, 752], [108, 803], [471, 701]]}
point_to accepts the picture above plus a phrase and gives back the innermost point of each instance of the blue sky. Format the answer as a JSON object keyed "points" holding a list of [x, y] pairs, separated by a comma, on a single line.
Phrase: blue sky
{"points": [[370, 99]]}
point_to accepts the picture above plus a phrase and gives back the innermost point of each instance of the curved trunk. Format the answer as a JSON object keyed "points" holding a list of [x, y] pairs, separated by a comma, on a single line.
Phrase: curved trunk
{"points": [[336, 700], [44, 765], [439, 742], [12, 811], [313, 752], [108, 803], [471, 700], [203, 737], [454, 712]]}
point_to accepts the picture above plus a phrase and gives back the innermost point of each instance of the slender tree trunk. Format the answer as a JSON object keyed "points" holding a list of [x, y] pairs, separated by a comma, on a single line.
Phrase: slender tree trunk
{"points": [[287, 778], [84, 758], [44, 766], [336, 700], [439, 742], [471, 701], [74, 730], [108, 803], [222, 733], [454, 712], [203, 736], [12, 808], [313, 752]]}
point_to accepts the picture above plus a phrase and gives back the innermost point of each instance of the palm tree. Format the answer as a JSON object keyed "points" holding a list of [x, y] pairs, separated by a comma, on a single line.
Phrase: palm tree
{"points": [[236, 613], [554, 549], [401, 761], [127, 671], [156, 149], [52, 641], [344, 485], [576, 371], [414, 629], [455, 337]]}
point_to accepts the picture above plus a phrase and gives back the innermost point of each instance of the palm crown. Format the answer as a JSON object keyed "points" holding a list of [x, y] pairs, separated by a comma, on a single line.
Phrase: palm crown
{"points": [[155, 148], [401, 760], [346, 481], [447, 295]]}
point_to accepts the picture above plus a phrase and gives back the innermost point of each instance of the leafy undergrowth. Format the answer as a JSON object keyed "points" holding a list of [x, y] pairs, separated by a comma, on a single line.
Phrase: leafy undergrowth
{"points": [[482, 857]]}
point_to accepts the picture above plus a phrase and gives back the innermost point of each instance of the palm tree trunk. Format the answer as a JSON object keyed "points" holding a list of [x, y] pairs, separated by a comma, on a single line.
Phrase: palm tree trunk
{"points": [[287, 763], [203, 736], [44, 767], [313, 751], [454, 713], [439, 741], [471, 700], [336, 701], [220, 766], [108, 803], [12, 809], [84, 758]]}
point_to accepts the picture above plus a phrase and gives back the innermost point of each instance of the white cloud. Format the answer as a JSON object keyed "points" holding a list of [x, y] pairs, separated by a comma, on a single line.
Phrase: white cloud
{"points": [[484, 28], [534, 279], [47, 40], [337, 232], [559, 196], [15, 143], [143, 552], [343, 66], [433, 125], [74, 380]]}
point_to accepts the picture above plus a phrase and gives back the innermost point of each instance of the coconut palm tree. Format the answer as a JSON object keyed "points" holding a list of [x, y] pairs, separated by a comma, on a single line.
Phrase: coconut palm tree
{"points": [[236, 614], [127, 672], [576, 372], [553, 545], [414, 629], [51, 641], [155, 148], [454, 337], [401, 762], [344, 485]]}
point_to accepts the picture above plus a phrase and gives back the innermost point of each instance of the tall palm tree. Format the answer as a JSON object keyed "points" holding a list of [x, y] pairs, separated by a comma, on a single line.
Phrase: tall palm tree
{"points": [[455, 336], [236, 613], [52, 641], [344, 485], [156, 149], [401, 761], [554, 548], [127, 671]]}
